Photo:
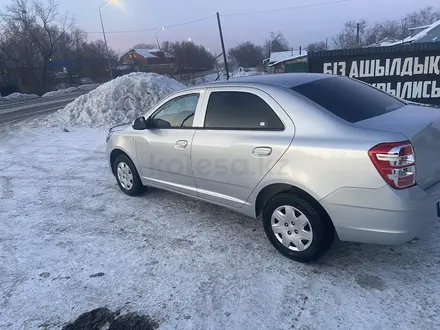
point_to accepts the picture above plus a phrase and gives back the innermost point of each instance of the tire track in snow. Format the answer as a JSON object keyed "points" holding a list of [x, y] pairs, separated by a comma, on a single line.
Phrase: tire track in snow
{"points": [[7, 191]]}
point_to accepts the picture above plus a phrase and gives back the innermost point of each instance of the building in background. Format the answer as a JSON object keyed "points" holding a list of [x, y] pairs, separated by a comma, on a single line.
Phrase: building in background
{"points": [[388, 41], [148, 60], [287, 61], [419, 34]]}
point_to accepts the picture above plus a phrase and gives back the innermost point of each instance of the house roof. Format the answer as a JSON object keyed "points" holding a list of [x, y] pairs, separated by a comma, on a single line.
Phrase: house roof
{"points": [[147, 53], [150, 53], [278, 57], [426, 31], [281, 56], [388, 41], [419, 27], [421, 35]]}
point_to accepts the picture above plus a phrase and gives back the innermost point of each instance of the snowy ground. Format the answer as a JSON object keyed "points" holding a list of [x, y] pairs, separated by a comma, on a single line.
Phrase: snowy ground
{"points": [[70, 242]]}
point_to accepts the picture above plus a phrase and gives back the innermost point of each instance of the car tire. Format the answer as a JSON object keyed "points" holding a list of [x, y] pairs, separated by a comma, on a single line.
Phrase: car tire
{"points": [[296, 228], [127, 176]]}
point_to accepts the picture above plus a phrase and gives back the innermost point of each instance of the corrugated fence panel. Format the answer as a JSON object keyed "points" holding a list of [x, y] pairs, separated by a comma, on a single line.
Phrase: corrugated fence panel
{"points": [[408, 71]]}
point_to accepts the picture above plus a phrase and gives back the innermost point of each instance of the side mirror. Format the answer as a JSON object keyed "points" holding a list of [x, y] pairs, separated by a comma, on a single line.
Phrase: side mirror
{"points": [[140, 124], [159, 123]]}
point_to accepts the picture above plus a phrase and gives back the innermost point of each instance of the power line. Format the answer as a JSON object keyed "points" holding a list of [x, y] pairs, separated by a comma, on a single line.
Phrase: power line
{"points": [[285, 8], [190, 22], [230, 14], [157, 28]]}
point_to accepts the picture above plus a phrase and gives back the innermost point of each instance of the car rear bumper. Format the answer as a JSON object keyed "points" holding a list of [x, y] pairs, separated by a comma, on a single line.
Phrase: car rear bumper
{"points": [[382, 216]]}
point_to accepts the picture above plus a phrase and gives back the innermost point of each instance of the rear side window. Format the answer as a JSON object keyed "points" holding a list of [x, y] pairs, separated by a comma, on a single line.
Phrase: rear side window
{"points": [[240, 110], [349, 99]]}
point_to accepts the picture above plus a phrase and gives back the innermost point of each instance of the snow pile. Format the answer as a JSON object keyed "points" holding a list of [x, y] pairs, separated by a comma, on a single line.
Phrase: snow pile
{"points": [[19, 97], [118, 101], [61, 92]]}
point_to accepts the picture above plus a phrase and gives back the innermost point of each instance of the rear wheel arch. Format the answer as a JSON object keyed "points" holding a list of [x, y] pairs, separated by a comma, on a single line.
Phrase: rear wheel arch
{"points": [[274, 189]]}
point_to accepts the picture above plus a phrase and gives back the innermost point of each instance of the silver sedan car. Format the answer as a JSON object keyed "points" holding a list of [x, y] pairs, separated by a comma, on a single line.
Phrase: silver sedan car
{"points": [[314, 156]]}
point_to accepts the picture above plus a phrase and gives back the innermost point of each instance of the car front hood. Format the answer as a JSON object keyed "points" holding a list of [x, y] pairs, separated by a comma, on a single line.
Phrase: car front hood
{"points": [[119, 127]]}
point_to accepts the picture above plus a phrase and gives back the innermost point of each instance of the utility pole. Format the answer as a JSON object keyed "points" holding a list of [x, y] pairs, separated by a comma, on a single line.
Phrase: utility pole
{"points": [[157, 41], [223, 46], [105, 40], [358, 40], [157, 38], [326, 43]]}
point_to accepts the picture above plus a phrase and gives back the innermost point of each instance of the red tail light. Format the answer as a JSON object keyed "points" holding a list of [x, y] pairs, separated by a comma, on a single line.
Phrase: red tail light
{"points": [[396, 163]]}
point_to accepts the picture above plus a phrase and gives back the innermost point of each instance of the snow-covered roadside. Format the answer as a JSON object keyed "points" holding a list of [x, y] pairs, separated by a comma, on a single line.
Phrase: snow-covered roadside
{"points": [[19, 97], [62, 92], [70, 242]]}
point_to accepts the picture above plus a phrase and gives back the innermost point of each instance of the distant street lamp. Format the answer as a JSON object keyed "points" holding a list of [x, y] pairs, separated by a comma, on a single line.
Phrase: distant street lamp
{"points": [[157, 39], [184, 51], [105, 38]]}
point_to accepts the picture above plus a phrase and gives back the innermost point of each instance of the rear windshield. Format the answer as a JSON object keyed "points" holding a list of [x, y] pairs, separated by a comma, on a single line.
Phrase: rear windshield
{"points": [[349, 99]]}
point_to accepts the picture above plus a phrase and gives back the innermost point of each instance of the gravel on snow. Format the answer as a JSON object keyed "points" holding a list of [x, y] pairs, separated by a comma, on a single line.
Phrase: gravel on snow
{"points": [[71, 242]]}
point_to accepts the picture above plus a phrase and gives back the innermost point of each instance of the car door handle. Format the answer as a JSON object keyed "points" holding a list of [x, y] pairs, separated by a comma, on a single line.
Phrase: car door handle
{"points": [[261, 151], [181, 144]]}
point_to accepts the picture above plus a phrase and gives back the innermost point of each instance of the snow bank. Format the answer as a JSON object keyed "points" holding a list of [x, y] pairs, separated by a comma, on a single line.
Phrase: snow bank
{"points": [[19, 97], [61, 92], [117, 101]]}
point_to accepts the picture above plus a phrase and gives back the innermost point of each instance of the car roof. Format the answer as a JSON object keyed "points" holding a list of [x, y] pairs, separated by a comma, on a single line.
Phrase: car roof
{"points": [[288, 80]]}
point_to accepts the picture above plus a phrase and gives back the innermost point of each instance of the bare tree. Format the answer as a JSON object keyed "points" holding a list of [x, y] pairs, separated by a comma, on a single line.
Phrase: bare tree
{"points": [[189, 56], [425, 16], [348, 37], [392, 29], [42, 25], [19, 53], [78, 39], [275, 43], [247, 54], [144, 46], [317, 46], [37, 42]]}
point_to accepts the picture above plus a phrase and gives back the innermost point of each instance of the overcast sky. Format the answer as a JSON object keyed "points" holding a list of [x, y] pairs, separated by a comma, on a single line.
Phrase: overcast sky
{"points": [[301, 26]]}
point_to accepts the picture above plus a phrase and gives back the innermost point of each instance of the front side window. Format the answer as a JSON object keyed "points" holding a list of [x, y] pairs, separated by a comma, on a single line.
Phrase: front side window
{"points": [[177, 113], [240, 110]]}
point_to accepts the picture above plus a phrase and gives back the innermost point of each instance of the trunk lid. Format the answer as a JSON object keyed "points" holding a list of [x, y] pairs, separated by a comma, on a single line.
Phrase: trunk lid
{"points": [[421, 126]]}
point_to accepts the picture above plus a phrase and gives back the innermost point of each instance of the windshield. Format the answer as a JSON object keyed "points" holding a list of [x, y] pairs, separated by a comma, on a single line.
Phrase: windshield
{"points": [[349, 99]]}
